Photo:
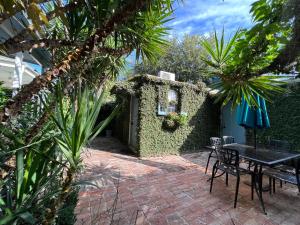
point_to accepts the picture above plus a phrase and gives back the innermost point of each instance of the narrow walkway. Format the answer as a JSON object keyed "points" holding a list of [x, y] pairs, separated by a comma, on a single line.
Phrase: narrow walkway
{"points": [[170, 190]]}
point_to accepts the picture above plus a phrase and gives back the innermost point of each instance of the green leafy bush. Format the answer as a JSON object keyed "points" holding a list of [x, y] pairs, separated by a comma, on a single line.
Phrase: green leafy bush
{"points": [[174, 120], [3, 95], [180, 57]]}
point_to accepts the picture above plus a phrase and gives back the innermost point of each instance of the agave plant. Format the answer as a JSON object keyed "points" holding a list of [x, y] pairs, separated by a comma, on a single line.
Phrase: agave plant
{"points": [[236, 81]]}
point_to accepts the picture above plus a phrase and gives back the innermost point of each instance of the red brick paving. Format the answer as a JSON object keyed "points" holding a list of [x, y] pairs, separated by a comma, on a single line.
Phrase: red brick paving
{"points": [[171, 190]]}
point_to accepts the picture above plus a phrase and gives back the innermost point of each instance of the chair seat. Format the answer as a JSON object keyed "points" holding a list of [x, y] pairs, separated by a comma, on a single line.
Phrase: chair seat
{"points": [[212, 151], [281, 175], [286, 168], [210, 147], [232, 170]]}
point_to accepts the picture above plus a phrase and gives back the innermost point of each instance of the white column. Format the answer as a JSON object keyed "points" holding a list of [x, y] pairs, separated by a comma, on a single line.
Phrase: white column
{"points": [[18, 73]]}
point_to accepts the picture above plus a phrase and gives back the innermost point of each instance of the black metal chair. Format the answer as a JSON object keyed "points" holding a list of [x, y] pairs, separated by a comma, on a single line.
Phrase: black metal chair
{"points": [[280, 145], [285, 146], [228, 140], [214, 141], [228, 162], [292, 175]]}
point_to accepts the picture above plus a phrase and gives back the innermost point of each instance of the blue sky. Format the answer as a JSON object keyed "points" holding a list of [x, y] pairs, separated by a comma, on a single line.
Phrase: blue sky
{"points": [[35, 67], [204, 16]]}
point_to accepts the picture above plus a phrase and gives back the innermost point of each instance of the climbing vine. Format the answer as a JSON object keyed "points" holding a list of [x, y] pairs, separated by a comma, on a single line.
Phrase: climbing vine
{"points": [[284, 114], [202, 116]]}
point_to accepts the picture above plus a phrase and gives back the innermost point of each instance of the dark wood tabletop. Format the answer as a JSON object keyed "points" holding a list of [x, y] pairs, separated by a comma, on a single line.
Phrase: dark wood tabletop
{"points": [[262, 156]]}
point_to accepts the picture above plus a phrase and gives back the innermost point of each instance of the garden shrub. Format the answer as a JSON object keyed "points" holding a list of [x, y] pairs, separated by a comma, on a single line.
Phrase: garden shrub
{"points": [[5, 94]]}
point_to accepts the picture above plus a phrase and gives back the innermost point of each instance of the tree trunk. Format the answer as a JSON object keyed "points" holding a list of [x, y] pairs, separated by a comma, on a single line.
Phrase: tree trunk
{"points": [[58, 202]]}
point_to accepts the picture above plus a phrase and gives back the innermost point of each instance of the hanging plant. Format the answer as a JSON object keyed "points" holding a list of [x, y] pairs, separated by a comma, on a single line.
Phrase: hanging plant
{"points": [[174, 120]]}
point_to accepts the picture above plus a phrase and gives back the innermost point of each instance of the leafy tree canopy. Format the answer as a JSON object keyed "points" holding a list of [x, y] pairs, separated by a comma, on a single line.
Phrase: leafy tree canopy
{"points": [[181, 57], [270, 46]]}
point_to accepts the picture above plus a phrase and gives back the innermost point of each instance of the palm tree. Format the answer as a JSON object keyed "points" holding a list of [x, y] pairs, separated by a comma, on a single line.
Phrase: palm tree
{"points": [[80, 28], [270, 46], [236, 81], [88, 40]]}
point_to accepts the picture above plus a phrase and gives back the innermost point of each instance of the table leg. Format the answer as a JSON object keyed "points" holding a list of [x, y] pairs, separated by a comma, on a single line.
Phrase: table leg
{"points": [[258, 185]]}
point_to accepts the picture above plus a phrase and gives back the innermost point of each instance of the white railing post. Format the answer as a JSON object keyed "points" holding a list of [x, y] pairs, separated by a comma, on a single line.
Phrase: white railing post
{"points": [[18, 73]]}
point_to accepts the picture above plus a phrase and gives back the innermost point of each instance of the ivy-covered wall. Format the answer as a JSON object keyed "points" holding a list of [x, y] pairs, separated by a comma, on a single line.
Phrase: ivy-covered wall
{"points": [[153, 140], [284, 114]]}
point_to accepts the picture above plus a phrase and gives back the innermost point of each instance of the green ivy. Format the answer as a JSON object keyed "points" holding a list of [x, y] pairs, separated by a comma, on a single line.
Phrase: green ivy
{"points": [[163, 95], [153, 140], [284, 114]]}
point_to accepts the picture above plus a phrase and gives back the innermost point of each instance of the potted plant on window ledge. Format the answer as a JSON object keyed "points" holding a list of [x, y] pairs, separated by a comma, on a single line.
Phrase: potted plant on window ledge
{"points": [[174, 120]]}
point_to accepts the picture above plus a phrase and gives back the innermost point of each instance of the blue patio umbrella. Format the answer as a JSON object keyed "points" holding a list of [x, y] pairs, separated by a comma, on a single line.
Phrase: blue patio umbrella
{"points": [[255, 117]]}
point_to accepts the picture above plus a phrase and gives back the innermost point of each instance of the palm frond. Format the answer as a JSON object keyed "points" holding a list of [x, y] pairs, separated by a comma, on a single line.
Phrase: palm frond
{"points": [[235, 91], [235, 82]]}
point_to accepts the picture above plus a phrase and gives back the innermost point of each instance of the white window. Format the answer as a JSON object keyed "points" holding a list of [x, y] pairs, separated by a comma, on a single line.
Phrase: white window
{"points": [[172, 101]]}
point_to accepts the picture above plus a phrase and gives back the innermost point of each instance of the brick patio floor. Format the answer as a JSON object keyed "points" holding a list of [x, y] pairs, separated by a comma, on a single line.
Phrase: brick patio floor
{"points": [[170, 190]]}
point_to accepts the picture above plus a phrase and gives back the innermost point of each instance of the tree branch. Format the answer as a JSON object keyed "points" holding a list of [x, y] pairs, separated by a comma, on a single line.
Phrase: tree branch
{"points": [[63, 9], [14, 107], [35, 129], [15, 41], [6, 15], [47, 113], [114, 52], [28, 45], [11, 47]]}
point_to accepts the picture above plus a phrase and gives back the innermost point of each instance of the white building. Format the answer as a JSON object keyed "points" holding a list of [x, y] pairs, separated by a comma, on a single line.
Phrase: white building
{"points": [[14, 72], [14, 69]]}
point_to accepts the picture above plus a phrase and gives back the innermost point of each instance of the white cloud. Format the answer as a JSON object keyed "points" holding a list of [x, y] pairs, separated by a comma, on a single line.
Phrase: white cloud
{"points": [[203, 16]]}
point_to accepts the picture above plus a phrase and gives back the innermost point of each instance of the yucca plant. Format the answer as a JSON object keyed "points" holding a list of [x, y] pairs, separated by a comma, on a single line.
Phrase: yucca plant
{"points": [[35, 171], [236, 81], [77, 126], [44, 173]]}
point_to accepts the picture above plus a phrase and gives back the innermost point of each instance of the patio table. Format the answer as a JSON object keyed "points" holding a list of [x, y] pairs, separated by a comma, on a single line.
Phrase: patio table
{"points": [[261, 157]]}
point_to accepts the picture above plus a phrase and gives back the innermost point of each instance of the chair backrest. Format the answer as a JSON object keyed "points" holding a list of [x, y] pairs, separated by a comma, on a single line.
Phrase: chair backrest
{"points": [[215, 141], [280, 145], [229, 157], [228, 140], [297, 167]]}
